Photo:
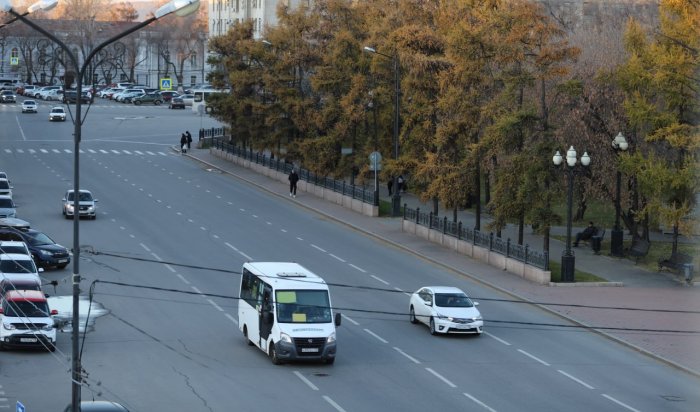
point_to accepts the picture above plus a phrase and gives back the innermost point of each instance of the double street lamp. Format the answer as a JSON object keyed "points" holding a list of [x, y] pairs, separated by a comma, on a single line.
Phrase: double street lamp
{"points": [[396, 195], [181, 8], [619, 144], [568, 259]]}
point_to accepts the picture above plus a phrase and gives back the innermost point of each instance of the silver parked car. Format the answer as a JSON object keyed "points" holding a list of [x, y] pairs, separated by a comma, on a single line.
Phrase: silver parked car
{"points": [[7, 207]]}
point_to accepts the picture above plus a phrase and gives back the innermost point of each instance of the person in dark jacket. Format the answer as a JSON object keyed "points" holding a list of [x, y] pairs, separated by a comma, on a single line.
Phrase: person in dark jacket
{"points": [[293, 179], [183, 144], [586, 234], [189, 139]]}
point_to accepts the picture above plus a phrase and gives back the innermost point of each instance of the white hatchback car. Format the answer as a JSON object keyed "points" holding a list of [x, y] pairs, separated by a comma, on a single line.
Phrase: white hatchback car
{"points": [[86, 202], [445, 309]]}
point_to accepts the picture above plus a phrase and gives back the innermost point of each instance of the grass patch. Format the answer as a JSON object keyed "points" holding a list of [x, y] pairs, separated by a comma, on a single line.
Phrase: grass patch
{"points": [[579, 275]]}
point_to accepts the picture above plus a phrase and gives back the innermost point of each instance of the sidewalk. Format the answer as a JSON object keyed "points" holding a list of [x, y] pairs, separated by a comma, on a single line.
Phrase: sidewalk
{"points": [[642, 289]]}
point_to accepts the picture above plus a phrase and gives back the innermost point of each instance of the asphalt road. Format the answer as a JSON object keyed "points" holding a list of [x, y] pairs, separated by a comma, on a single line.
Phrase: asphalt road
{"points": [[167, 222]]}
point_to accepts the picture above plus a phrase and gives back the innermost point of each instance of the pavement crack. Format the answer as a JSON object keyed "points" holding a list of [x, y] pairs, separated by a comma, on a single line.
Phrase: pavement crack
{"points": [[194, 391]]}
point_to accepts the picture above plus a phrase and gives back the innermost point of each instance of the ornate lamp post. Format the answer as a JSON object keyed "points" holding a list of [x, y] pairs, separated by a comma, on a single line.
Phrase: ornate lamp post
{"points": [[396, 195], [568, 259], [619, 144], [180, 7]]}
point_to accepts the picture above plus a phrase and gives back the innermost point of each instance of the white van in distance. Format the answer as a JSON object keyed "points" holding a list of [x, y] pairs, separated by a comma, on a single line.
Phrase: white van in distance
{"points": [[285, 310]]}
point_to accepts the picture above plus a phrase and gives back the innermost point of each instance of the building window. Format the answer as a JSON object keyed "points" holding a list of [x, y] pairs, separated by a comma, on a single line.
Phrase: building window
{"points": [[193, 80], [193, 59]]}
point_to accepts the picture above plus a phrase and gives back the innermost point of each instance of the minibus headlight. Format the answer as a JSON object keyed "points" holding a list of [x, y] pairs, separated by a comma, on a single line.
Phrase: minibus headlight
{"points": [[285, 338], [331, 338]]}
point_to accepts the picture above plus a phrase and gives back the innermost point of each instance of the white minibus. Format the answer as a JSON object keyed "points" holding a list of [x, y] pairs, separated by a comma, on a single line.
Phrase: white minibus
{"points": [[285, 310]]}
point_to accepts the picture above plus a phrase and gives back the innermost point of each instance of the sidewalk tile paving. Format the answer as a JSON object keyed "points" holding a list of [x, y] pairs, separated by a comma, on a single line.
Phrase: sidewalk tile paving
{"points": [[641, 288]]}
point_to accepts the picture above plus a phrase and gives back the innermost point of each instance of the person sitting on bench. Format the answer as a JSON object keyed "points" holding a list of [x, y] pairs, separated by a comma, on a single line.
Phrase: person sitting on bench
{"points": [[586, 234]]}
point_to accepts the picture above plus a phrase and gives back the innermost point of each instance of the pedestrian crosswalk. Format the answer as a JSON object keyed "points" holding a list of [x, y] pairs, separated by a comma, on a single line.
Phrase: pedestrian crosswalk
{"points": [[89, 151]]}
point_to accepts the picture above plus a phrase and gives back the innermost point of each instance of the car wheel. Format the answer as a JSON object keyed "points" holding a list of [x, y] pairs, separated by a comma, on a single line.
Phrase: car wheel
{"points": [[245, 335], [138, 103], [273, 355], [157, 102], [412, 316], [432, 327]]}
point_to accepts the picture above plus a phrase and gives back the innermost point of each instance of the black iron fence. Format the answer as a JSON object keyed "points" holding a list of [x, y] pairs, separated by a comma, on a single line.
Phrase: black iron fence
{"points": [[337, 186], [478, 238]]}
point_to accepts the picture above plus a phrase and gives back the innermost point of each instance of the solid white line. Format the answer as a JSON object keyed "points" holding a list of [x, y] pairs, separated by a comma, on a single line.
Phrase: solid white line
{"points": [[478, 402], [573, 378], [333, 404], [170, 268], [380, 279], [442, 378], [376, 336], [145, 247], [349, 319], [187, 282], [360, 269], [533, 357], [20, 128], [411, 358], [215, 305], [244, 255], [156, 257], [620, 403], [231, 318], [336, 257], [316, 247], [231, 246], [497, 338], [196, 290], [306, 381]]}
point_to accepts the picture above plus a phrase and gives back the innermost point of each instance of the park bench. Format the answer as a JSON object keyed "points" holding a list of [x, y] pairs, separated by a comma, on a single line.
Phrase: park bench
{"points": [[678, 262], [639, 248], [596, 240]]}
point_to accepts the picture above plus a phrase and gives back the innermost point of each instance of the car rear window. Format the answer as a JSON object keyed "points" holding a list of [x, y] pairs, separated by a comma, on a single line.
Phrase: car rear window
{"points": [[4, 184], [6, 203]]}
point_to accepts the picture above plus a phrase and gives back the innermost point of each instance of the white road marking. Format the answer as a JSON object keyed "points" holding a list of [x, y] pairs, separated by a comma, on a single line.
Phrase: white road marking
{"points": [[624, 405], [179, 213], [156, 257], [215, 305], [138, 152], [215, 236], [67, 151], [231, 246], [91, 151], [376, 336], [116, 151], [358, 268], [234, 320], [230, 203], [132, 236], [298, 238], [196, 289], [318, 248], [127, 152], [284, 230], [145, 247], [497, 338], [43, 150], [32, 151], [242, 210], [336, 257], [333, 404], [150, 153], [478, 402], [8, 151], [190, 220], [244, 255], [269, 223], [182, 278], [20, 128], [402, 291], [55, 150], [306, 381], [442, 378], [120, 227], [349, 319], [380, 279], [533, 357], [203, 228], [411, 358], [575, 379], [103, 151], [170, 268], [255, 216]]}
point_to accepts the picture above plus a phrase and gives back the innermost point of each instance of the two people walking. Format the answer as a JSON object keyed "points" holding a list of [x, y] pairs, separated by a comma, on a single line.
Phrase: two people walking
{"points": [[185, 141]]}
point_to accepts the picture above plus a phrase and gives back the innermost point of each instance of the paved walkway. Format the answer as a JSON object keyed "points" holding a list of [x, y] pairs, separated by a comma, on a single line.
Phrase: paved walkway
{"points": [[667, 304]]}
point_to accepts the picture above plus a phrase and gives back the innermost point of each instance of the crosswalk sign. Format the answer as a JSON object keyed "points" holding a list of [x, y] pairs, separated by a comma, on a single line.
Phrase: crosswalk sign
{"points": [[14, 61], [166, 84]]}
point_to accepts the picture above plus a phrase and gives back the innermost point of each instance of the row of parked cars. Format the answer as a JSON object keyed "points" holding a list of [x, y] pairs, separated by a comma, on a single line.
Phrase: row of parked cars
{"points": [[24, 254], [139, 95]]}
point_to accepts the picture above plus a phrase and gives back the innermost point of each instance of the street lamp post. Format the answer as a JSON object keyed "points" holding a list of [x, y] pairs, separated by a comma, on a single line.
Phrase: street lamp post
{"points": [[180, 7], [568, 260], [619, 144], [396, 194]]}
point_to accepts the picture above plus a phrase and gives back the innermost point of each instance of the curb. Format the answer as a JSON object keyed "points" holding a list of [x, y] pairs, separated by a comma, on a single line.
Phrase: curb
{"points": [[607, 335]]}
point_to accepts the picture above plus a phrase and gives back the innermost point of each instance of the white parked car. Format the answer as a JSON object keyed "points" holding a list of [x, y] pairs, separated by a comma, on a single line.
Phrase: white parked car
{"points": [[18, 265], [27, 320], [445, 309], [5, 187], [57, 113], [86, 202], [29, 106], [41, 93], [55, 95]]}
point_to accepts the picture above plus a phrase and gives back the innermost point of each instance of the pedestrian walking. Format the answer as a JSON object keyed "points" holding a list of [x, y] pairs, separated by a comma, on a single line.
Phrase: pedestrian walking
{"points": [[293, 179], [189, 139], [400, 184], [183, 144], [390, 185]]}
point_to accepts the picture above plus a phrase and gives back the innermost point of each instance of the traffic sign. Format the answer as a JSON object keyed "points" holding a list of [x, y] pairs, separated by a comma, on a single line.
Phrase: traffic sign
{"points": [[166, 84], [375, 161], [20, 407], [14, 61]]}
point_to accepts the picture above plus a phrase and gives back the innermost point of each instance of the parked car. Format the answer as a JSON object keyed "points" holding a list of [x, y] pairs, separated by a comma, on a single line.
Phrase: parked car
{"points": [[42, 92], [127, 97], [130, 92], [188, 99], [98, 406], [445, 309], [7, 285], [45, 252], [176, 103], [167, 95], [7, 207], [71, 96], [86, 202], [18, 264], [7, 96], [55, 95], [30, 106], [104, 92], [114, 94], [5, 187], [150, 98], [28, 90], [57, 113], [26, 320], [14, 246]]}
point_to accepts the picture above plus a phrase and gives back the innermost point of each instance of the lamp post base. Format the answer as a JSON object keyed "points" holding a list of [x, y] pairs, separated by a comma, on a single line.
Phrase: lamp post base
{"points": [[616, 246], [396, 205], [567, 268]]}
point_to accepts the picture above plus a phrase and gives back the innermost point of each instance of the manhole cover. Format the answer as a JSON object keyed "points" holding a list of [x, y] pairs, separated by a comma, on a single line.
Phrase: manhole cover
{"points": [[673, 398]]}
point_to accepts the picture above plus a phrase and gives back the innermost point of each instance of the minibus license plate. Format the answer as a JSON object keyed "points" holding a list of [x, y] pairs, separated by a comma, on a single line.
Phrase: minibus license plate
{"points": [[309, 349], [28, 340]]}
